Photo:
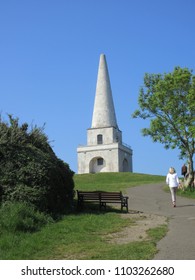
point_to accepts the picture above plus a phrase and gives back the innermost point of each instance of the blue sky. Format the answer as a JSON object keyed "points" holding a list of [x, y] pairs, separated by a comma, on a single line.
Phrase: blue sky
{"points": [[49, 56]]}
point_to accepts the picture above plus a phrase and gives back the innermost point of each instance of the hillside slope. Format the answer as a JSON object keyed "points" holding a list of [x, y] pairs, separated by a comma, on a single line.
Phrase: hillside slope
{"points": [[113, 181]]}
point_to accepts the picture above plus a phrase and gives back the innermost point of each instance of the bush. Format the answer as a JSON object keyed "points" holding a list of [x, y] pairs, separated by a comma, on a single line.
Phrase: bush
{"points": [[30, 171], [20, 217]]}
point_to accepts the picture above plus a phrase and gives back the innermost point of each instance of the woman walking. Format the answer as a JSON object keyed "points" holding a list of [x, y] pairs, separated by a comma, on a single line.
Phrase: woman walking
{"points": [[173, 181]]}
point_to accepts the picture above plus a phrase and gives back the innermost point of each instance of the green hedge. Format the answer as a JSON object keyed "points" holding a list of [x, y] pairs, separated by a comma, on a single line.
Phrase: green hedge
{"points": [[30, 171]]}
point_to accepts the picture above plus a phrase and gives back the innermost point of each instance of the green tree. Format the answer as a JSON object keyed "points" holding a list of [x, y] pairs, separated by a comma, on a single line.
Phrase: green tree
{"points": [[168, 101], [30, 171]]}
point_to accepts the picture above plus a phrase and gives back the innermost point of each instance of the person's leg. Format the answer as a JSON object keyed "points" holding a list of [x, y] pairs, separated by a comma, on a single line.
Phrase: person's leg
{"points": [[175, 191], [173, 195]]}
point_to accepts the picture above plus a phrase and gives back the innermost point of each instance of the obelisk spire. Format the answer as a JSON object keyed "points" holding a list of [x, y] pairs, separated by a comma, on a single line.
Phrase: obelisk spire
{"points": [[104, 112]]}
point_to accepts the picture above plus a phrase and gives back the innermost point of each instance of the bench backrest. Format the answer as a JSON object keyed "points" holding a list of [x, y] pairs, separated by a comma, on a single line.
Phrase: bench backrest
{"points": [[88, 195], [111, 196], [99, 195]]}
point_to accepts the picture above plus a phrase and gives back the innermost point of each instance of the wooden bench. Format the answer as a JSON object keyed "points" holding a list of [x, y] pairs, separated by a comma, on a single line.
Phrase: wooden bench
{"points": [[102, 198]]}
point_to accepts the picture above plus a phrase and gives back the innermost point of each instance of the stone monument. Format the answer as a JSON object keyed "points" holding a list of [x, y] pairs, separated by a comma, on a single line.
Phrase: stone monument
{"points": [[105, 151]]}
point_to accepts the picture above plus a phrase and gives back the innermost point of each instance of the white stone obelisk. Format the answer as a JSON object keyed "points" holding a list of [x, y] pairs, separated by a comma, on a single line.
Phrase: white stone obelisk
{"points": [[104, 112], [104, 151]]}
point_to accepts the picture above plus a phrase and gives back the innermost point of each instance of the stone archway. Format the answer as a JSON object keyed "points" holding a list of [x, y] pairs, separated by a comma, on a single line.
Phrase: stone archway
{"points": [[125, 165], [96, 165]]}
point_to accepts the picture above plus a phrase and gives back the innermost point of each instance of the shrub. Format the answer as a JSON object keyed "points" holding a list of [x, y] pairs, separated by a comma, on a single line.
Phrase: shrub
{"points": [[30, 171], [21, 217]]}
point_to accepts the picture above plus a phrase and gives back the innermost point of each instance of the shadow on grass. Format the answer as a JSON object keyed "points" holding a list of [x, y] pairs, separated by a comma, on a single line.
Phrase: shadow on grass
{"points": [[93, 208]]}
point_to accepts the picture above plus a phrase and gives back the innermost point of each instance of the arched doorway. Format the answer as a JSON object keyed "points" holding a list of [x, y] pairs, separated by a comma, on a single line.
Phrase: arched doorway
{"points": [[96, 165], [125, 165]]}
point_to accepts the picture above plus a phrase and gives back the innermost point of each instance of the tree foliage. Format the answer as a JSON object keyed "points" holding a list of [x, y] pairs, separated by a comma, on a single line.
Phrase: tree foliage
{"points": [[169, 102], [30, 171]]}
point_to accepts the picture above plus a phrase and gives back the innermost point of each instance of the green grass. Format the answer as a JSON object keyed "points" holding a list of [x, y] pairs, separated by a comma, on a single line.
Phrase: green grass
{"points": [[113, 181], [186, 193], [85, 235]]}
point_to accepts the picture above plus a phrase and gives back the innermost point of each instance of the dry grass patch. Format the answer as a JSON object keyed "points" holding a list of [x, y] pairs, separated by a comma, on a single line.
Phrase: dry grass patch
{"points": [[141, 223]]}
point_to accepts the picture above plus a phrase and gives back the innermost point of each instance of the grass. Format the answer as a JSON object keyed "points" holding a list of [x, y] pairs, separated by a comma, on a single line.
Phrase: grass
{"points": [[186, 193], [113, 181], [85, 235]]}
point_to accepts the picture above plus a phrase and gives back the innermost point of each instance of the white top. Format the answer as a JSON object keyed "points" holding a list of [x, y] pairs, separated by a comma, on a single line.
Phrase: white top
{"points": [[103, 112], [172, 180]]}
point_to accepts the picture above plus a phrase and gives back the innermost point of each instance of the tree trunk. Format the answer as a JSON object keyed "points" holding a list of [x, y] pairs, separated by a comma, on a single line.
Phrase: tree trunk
{"points": [[189, 178]]}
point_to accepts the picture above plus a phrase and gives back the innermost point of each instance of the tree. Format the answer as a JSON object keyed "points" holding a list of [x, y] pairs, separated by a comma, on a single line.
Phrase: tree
{"points": [[30, 171], [168, 101]]}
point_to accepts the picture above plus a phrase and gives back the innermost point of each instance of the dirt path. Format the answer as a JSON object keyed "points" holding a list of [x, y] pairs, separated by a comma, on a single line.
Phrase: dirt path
{"points": [[137, 231]]}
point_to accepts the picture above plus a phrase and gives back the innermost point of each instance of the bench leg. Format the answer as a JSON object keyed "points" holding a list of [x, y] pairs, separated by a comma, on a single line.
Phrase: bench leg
{"points": [[79, 205], [124, 204], [102, 204]]}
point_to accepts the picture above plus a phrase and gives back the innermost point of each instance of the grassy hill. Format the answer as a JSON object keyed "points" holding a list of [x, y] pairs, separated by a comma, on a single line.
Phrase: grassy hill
{"points": [[113, 181]]}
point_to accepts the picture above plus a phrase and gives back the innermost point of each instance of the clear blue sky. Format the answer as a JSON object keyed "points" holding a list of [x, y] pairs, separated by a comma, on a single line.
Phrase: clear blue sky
{"points": [[49, 56]]}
